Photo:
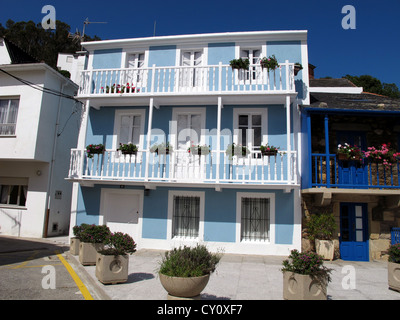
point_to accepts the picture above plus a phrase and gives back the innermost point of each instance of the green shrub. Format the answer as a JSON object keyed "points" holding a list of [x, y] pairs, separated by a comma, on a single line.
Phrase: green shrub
{"points": [[321, 226], [308, 263], [119, 243], [77, 230], [394, 253], [189, 262], [94, 233]]}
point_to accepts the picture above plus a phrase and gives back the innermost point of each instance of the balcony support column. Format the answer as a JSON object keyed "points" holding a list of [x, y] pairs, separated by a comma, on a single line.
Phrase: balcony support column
{"points": [[149, 128], [218, 139], [288, 140], [327, 159]]}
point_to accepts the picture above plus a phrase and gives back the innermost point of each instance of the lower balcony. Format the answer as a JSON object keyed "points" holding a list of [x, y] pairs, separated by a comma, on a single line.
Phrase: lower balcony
{"points": [[182, 167], [328, 171]]}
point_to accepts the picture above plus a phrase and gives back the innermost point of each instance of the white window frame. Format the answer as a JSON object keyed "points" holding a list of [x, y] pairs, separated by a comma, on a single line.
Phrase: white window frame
{"points": [[248, 46], [117, 127], [271, 198], [187, 111], [171, 195], [250, 111], [20, 182], [8, 114]]}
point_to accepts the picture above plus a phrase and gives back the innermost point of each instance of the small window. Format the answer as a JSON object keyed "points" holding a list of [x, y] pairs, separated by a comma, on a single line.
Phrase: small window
{"points": [[255, 219], [8, 116], [186, 216], [13, 195]]}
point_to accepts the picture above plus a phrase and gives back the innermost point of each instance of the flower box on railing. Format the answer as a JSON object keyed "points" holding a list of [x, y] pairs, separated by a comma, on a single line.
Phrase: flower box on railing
{"points": [[129, 149], [92, 149], [162, 148], [199, 150], [268, 150]]}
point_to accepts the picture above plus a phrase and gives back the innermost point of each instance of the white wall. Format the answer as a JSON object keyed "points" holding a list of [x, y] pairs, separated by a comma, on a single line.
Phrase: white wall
{"points": [[27, 222]]}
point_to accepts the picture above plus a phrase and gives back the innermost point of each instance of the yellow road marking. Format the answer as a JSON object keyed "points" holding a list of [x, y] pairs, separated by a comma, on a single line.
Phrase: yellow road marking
{"points": [[79, 283], [26, 261]]}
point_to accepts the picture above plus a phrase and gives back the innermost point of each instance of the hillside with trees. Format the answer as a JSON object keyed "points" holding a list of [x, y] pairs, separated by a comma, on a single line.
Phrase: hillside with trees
{"points": [[374, 85], [44, 45]]}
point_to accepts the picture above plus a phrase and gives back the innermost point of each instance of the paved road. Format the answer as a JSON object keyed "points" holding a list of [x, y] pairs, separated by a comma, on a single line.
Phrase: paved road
{"points": [[36, 270]]}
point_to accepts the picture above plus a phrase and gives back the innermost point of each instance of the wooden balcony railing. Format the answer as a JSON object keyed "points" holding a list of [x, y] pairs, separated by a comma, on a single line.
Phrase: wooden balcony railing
{"points": [[181, 166], [186, 80], [328, 171]]}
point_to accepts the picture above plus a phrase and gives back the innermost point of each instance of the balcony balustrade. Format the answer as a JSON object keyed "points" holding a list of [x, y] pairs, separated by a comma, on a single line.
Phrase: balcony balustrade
{"points": [[180, 166], [177, 80]]}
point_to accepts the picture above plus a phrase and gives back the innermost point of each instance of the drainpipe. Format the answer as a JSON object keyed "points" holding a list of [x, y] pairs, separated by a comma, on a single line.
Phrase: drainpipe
{"points": [[53, 158]]}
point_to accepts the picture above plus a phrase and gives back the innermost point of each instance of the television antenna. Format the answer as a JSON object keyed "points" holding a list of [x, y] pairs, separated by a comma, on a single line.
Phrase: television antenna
{"points": [[86, 22]]}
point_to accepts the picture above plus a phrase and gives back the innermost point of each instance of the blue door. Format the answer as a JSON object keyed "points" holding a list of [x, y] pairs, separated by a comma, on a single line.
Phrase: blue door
{"points": [[352, 174], [354, 232]]}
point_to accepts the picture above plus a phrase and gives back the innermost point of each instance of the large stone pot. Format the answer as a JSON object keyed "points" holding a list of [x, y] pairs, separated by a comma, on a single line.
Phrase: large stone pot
{"points": [[74, 246], [303, 287], [184, 287], [394, 276], [112, 269], [325, 248], [88, 252]]}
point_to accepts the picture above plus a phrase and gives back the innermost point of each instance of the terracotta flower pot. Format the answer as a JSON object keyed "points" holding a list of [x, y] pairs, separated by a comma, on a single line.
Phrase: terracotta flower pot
{"points": [[184, 287]]}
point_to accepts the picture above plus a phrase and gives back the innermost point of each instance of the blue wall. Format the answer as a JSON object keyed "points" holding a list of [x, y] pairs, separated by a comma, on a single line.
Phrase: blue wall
{"points": [[220, 212], [107, 59]]}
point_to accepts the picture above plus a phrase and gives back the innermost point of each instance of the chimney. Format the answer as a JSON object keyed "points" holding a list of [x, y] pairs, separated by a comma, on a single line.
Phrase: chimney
{"points": [[311, 71]]}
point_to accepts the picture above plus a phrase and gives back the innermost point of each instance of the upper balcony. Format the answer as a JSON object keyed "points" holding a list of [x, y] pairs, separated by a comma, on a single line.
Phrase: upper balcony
{"points": [[175, 81]]}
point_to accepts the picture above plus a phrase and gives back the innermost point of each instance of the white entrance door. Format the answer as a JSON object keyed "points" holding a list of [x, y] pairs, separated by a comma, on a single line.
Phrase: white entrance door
{"points": [[190, 73], [122, 211]]}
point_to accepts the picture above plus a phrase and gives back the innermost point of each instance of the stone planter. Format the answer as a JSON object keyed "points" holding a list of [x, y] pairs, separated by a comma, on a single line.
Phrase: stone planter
{"points": [[88, 252], [112, 269], [325, 248], [303, 287], [394, 276], [74, 246], [180, 287]]}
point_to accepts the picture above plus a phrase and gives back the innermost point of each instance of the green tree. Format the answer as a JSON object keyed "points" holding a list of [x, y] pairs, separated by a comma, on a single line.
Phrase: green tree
{"points": [[374, 85], [42, 44]]}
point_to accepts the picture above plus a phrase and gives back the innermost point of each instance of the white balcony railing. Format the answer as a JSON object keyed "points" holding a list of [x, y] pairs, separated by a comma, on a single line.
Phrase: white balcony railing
{"points": [[181, 166], [185, 80]]}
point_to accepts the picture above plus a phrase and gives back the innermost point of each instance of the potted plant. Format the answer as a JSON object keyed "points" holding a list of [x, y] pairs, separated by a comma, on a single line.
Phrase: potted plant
{"points": [[305, 277], [92, 149], [394, 267], [162, 148], [185, 271], [321, 228], [75, 241], [268, 150], [297, 68], [92, 239], [348, 152], [199, 150], [112, 262], [128, 148], [240, 63], [383, 154], [236, 150], [270, 63]]}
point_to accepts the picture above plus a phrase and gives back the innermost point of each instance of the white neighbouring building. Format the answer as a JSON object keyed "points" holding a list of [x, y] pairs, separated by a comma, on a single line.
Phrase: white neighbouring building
{"points": [[38, 127]]}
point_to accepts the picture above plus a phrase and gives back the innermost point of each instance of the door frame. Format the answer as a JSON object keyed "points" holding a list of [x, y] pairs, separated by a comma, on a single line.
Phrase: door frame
{"points": [[103, 198], [352, 228]]}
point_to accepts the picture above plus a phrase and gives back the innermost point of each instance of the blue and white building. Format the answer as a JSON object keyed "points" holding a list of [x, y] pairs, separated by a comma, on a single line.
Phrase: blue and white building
{"points": [[182, 90]]}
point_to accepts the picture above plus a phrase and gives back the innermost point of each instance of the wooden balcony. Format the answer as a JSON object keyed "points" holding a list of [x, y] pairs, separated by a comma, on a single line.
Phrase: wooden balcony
{"points": [[328, 171], [197, 80], [182, 167]]}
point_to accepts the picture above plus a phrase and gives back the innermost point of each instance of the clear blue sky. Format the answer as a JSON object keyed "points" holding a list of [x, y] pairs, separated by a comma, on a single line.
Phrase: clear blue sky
{"points": [[372, 48]]}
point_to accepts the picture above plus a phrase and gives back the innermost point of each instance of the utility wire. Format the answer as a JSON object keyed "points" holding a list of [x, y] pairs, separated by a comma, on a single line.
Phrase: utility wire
{"points": [[43, 89]]}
